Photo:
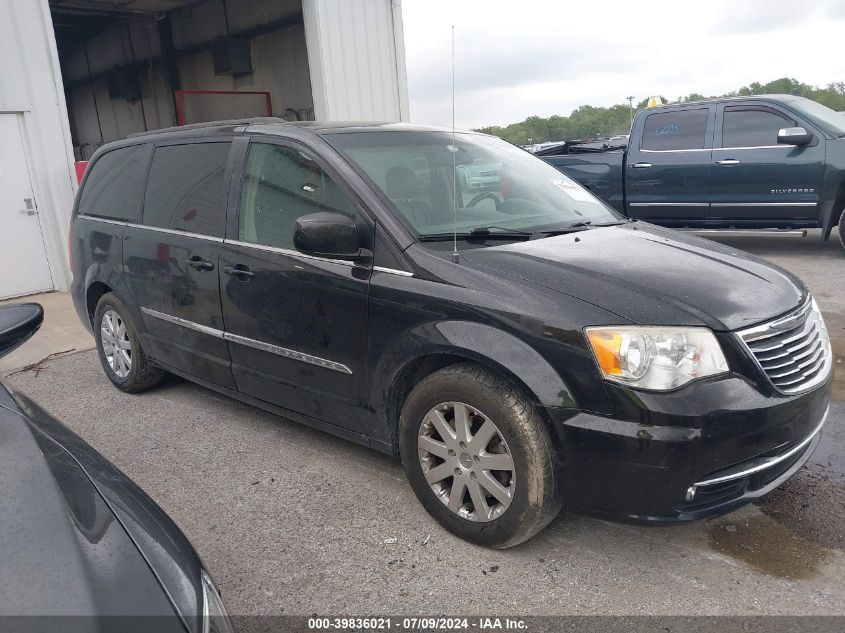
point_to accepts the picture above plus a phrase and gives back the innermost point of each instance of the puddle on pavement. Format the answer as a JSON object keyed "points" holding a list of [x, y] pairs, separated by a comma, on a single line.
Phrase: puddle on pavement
{"points": [[766, 545]]}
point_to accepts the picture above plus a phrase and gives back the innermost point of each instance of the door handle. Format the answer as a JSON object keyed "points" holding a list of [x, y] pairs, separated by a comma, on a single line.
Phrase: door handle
{"points": [[29, 211], [239, 272], [641, 165], [728, 161], [198, 263]]}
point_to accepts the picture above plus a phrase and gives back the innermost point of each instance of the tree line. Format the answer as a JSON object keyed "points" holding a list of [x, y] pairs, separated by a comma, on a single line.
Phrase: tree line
{"points": [[590, 121]]}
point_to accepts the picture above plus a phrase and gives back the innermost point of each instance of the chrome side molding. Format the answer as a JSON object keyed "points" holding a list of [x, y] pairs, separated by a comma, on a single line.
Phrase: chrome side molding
{"points": [[156, 229], [393, 271], [288, 353], [249, 342], [197, 327]]}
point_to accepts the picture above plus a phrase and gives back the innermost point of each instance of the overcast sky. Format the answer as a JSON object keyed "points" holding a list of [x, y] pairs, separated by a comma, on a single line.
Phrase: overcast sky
{"points": [[515, 58]]}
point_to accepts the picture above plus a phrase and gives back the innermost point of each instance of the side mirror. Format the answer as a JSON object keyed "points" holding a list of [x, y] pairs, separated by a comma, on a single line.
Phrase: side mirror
{"points": [[329, 235], [18, 321], [794, 136]]}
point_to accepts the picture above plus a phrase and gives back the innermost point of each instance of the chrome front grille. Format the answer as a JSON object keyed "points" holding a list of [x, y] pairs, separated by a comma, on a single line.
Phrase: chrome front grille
{"points": [[794, 350]]}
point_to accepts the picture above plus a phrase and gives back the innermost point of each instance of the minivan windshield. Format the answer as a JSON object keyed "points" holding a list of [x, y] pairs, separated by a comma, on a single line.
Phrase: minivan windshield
{"points": [[501, 190]]}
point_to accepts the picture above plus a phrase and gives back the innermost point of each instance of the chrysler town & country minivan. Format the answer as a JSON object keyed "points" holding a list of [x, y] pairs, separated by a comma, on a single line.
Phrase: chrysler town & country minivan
{"points": [[521, 347]]}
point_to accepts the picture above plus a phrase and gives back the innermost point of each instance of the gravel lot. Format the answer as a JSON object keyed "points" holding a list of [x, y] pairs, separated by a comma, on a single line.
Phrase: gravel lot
{"points": [[293, 521]]}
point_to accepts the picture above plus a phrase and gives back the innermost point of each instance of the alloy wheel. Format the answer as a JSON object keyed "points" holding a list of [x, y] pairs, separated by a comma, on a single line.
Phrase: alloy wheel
{"points": [[466, 461], [117, 347]]}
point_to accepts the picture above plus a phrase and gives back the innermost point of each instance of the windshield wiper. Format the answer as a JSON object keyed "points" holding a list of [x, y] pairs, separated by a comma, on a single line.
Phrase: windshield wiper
{"points": [[484, 231], [577, 226], [481, 232]]}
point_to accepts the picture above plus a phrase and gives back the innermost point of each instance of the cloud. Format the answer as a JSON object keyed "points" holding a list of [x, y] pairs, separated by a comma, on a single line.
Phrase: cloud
{"points": [[835, 10], [773, 15], [543, 57], [488, 60]]}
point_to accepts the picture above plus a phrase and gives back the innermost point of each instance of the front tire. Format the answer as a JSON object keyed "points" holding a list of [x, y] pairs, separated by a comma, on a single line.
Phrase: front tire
{"points": [[119, 347], [842, 229], [479, 457]]}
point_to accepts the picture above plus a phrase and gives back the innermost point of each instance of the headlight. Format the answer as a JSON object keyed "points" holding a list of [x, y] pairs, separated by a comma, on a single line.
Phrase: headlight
{"points": [[658, 358], [214, 616]]}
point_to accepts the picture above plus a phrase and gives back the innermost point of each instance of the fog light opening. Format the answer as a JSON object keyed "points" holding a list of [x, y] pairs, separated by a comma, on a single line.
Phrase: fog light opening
{"points": [[690, 494]]}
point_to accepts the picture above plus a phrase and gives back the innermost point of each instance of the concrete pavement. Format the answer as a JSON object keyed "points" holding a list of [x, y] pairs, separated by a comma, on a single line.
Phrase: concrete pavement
{"points": [[61, 332]]}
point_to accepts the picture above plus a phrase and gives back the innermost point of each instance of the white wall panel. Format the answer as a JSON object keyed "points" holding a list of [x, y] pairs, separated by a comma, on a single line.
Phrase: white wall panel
{"points": [[30, 83], [356, 54]]}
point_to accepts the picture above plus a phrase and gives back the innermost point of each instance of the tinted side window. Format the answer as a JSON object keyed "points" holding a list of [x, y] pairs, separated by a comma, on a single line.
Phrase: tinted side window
{"points": [[280, 185], [752, 127], [114, 186], [679, 129], [186, 189]]}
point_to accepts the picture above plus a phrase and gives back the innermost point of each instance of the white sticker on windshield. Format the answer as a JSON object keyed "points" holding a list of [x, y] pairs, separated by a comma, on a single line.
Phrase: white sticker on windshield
{"points": [[573, 190]]}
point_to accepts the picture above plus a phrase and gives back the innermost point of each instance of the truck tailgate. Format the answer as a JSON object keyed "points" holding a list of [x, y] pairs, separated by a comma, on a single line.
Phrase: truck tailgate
{"points": [[600, 172]]}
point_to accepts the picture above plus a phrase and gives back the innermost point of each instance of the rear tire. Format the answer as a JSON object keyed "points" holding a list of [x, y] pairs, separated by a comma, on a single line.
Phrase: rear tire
{"points": [[502, 464], [119, 347], [842, 229]]}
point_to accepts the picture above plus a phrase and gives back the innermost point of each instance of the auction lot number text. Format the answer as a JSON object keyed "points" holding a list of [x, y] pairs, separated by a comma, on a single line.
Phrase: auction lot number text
{"points": [[416, 624]]}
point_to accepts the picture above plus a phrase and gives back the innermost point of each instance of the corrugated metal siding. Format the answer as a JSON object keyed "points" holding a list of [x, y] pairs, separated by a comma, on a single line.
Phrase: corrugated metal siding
{"points": [[356, 56], [30, 84]]}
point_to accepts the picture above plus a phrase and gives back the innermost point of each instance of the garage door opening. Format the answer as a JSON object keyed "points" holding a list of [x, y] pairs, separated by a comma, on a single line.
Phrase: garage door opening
{"points": [[142, 65]]}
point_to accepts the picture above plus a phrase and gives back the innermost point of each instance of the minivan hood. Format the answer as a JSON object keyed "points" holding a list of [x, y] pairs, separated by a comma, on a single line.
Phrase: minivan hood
{"points": [[651, 275]]}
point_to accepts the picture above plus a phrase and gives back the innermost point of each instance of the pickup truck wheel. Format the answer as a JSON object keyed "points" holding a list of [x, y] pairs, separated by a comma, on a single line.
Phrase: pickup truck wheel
{"points": [[121, 355], [479, 457]]}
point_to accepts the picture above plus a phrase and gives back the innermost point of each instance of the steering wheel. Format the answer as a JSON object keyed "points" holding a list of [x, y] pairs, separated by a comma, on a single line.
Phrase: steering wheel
{"points": [[485, 196]]}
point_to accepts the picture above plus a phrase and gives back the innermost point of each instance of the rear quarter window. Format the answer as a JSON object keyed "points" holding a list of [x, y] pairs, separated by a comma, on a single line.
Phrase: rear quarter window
{"points": [[186, 188], [676, 129], [114, 187]]}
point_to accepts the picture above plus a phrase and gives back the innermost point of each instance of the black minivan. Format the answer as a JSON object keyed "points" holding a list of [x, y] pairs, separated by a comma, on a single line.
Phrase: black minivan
{"points": [[453, 300]]}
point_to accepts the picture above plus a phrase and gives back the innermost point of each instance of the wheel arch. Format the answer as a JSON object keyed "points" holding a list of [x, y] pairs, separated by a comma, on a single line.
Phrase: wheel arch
{"points": [[839, 207], [438, 345], [101, 280], [832, 210], [93, 294]]}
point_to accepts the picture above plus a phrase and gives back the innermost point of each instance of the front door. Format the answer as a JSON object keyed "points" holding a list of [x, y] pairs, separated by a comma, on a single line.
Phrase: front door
{"points": [[171, 260], [296, 325], [23, 257], [757, 181], [668, 167]]}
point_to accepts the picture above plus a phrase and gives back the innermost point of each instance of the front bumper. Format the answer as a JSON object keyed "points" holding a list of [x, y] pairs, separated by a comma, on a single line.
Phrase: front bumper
{"points": [[702, 451]]}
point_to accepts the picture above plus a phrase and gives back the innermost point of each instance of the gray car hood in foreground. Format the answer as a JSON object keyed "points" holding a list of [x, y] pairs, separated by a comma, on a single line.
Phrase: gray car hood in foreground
{"points": [[63, 550]]}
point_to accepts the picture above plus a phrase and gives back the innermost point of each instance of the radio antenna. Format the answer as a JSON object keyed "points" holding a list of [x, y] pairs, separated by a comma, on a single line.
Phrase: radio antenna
{"points": [[455, 257]]}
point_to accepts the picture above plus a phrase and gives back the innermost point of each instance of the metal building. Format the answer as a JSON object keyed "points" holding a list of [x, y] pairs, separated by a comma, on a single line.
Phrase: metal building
{"points": [[80, 73]]}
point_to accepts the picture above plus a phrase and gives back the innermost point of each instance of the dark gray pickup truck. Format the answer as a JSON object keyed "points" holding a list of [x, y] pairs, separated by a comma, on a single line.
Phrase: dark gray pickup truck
{"points": [[763, 162]]}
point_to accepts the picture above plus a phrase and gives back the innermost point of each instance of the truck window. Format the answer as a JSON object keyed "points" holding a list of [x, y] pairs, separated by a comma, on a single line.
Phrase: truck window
{"points": [[676, 129], [113, 188], [744, 126], [186, 188], [281, 184]]}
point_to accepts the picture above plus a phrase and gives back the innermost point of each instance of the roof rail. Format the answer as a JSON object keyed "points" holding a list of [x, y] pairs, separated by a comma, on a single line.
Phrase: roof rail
{"points": [[199, 126]]}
